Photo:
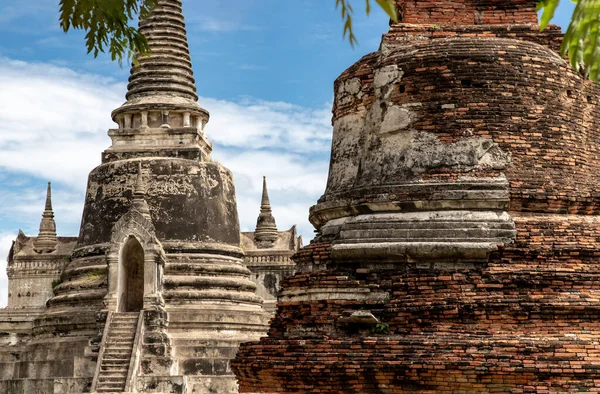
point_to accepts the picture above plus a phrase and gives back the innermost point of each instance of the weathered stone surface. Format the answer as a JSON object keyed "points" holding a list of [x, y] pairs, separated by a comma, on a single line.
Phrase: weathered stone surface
{"points": [[188, 201], [460, 212], [153, 295]]}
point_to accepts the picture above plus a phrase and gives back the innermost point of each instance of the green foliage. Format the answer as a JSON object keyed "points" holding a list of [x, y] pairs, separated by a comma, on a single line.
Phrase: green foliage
{"points": [[381, 328], [549, 8], [93, 275], [107, 25], [581, 41], [389, 6], [56, 282]]}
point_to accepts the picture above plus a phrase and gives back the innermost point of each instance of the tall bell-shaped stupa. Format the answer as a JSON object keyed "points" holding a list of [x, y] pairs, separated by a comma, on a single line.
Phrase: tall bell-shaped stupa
{"points": [[155, 296]]}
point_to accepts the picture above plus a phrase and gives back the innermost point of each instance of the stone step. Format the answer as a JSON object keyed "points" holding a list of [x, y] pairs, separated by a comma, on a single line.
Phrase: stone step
{"points": [[123, 326], [110, 388], [125, 334], [112, 376], [117, 352], [118, 342], [121, 330], [120, 363], [117, 356], [124, 321], [114, 369], [121, 338], [120, 383], [118, 346], [117, 382]]}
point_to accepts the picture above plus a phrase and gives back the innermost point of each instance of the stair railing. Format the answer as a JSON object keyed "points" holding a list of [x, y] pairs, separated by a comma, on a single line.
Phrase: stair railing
{"points": [[101, 351], [136, 351]]}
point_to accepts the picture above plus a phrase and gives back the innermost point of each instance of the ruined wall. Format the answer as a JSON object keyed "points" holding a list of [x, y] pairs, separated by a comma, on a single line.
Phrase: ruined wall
{"points": [[467, 12], [30, 282]]}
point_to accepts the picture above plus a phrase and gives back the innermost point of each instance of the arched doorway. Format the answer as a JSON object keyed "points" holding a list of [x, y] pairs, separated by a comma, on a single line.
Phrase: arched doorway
{"points": [[131, 276]]}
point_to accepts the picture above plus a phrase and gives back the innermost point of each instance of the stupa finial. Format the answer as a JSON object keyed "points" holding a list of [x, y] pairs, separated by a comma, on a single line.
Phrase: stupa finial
{"points": [[161, 94], [163, 79], [266, 229], [47, 240]]}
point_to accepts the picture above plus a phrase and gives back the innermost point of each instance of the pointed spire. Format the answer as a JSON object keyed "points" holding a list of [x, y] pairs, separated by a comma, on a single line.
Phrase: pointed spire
{"points": [[47, 240], [164, 77], [161, 93], [264, 202], [266, 229], [168, 67], [139, 202]]}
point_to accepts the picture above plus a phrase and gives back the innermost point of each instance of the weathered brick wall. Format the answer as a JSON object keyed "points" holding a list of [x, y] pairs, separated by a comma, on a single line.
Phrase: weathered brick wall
{"points": [[520, 94], [525, 321], [467, 12]]}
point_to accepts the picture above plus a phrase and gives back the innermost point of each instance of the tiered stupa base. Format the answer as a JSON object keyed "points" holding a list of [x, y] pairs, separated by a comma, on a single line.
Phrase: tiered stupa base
{"points": [[520, 324]]}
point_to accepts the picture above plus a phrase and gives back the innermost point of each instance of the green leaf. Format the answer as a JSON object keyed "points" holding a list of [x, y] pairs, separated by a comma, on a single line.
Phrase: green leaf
{"points": [[106, 24], [389, 6], [549, 8], [346, 11], [581, 40]]}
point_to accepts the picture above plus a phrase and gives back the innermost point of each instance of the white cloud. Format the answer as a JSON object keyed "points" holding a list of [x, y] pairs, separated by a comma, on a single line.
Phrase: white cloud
{"points": [[294, 183], [53, 126], [255, 124], [218, 25], [53, 120]]}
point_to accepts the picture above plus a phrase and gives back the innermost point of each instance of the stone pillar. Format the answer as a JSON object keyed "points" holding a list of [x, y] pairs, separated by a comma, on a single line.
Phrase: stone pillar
{"points": [[110, 300], [144, 120], [127, 121], [165, 120], [186, 119], [151, 300]]}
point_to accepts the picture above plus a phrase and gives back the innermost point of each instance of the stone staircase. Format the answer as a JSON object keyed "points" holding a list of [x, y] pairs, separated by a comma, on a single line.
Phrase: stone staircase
{"points": [[118, 346]]}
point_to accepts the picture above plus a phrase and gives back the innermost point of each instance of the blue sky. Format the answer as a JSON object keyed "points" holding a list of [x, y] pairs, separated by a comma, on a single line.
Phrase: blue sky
{"points": [[264, 71]]}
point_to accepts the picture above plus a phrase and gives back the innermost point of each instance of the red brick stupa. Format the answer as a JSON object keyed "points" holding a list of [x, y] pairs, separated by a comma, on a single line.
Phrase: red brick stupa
{"points": [[457, 241]]}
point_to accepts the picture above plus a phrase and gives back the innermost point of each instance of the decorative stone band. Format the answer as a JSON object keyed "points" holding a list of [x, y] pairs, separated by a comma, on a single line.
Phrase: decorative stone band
{"points": [[258, 258], [339, 293], [443, 237], [132, 112], [36, 267], [466, 193], [133, 142]]}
